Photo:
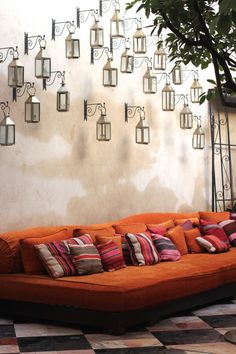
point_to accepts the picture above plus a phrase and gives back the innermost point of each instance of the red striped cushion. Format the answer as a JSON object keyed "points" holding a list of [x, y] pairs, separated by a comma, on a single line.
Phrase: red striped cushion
{"points": [[55, 256], [165, 248], [142, 249], [218, 246], [125, 250], [211, 228], [86, 259], [111, 256], [229, 227]]}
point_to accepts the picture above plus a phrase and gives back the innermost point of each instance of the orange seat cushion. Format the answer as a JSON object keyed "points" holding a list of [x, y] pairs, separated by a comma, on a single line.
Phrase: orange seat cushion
{"points": [[177, 237], [126, 289], [192, 244], [212, 216], [30, 258]]}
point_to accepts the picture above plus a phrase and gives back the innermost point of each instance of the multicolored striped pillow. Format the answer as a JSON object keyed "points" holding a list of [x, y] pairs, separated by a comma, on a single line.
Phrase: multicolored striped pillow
{"points": [[165, 248], [55, 256], [212, 244], [142, 249], [111, 256], [229, 227], [212, 228], [125, 250], [86, 259]]}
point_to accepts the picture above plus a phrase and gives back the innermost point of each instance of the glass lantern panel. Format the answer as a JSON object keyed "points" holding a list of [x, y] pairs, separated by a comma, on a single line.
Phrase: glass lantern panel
{"points": [[32, 112], [110, 77], [117, 28], [139, 45], [198, 141], [168, 101], [186, 121], [103, 131], [195, 93], [96, 38], [16, 76], [142, 135], [127, 64], [43, 68], [150, 84], [159, 61], [7, 134], [72, 48], [63, 101], [177, 76]]}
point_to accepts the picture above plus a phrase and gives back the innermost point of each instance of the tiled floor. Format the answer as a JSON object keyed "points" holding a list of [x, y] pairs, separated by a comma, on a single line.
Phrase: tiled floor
{"points": [[191, 333]]}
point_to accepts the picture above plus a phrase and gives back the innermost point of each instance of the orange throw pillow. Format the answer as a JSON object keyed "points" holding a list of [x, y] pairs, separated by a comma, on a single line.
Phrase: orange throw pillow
{"points": [[195, 221], [192, 244], [30, 259], [213, 216], [177, 237], [130, 228], [115, 239], [169, 224], [93, 232]]}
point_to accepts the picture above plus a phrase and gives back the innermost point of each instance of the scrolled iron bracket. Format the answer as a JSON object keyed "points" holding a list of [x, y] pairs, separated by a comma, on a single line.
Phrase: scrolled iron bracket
{"points": [[59, 27], [7, 50], [50, 81], [31, 41], [91, 108], [130, 111], [80, 15]]}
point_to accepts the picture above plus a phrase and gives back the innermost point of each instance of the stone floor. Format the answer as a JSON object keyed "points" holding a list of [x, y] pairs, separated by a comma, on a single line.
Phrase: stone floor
{"points": [[197, 332]]}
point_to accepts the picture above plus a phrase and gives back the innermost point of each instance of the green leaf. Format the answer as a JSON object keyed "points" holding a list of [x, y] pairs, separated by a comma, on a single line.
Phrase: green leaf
{"points": [[202, 99], [211, 81], [226, 6], [224, 24]]}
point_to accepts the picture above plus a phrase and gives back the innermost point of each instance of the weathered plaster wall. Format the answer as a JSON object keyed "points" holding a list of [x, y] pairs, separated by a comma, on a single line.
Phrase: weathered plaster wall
{"points": [[57, 173]]}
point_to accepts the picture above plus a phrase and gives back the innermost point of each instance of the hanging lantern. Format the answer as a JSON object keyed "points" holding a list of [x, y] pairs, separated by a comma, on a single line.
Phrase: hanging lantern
{"points": [[63, 97], [32, 108], [117, 25], [110, 75], [168, 98], [42, 63], [103, 128], [15, 71], [127, 62], [186, 117], [195, 91], [149, 82], [139, 40], [7, 128], [142, 132], [198, 140], [177, 74], [72, 47], [96, 35], [159, 59]]}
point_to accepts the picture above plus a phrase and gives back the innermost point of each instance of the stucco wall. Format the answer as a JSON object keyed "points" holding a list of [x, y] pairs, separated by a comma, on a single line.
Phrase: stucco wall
{"points": [[57, 173]]}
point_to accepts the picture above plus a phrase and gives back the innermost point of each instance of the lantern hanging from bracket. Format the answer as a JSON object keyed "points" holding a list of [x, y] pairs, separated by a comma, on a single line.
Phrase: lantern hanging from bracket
{"points": [[7, 126], [142, 130], [103, 125]]}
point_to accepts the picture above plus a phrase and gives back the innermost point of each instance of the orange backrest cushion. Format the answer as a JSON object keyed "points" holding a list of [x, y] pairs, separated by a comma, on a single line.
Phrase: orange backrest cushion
{"points": [[166, 225], [177, 237], [131, 228], [190, 238], [94, 231], [116, 239], [30, 259], [212, 216], [156, 218], [195, 221]]}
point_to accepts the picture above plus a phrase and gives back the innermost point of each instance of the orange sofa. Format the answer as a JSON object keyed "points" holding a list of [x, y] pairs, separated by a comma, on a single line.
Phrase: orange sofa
{"points": [[116, 300]]}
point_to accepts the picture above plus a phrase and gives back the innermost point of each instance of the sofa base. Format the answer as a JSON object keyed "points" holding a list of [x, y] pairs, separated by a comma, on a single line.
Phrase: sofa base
{"points": [[113, 322]]}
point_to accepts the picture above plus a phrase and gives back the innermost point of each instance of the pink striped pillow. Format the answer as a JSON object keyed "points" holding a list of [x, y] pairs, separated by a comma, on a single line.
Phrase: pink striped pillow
{"points": [[111, 256], [217, 245], [229, 227], [166, 249], [142, 249]]}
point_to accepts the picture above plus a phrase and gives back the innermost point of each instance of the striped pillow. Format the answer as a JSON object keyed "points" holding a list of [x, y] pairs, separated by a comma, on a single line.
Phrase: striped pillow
{"points": [[86, 259], [212, 244], [142, 249], [125, 250], [111, 256], [229, 227], [55, 256], [165, 248], [212, 228]]}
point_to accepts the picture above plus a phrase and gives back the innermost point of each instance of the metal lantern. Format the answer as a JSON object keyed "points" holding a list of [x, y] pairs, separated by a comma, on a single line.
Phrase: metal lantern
{"points": [[103, 128], [139, 41], [72, 47], [32, 109], [63, 97], [149, 82], [117, 25], [7, 128], [15, 72], [177, 74], [42, 64], [127, 62], [195, 91], [186, 117], [110, 75], [96, 35], [142, 132], [198, 140], [159, 59], [168, 98]]}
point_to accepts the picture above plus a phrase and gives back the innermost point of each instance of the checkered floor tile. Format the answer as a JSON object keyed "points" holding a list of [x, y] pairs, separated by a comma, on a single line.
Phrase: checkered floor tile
{"points": [[197, 332]]}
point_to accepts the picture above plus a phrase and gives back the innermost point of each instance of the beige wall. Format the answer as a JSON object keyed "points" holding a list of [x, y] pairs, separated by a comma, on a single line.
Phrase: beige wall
{"points": [[57, 173]]}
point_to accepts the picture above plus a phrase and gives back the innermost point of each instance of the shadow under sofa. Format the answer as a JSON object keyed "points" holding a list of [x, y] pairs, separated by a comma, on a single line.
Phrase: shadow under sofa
{"points": [[113, 301]]}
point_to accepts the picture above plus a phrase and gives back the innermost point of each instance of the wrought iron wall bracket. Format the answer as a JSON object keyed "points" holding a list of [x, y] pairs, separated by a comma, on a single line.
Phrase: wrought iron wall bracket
{"points": [[91, 108], [130, 111], [31, 41], [59, 27]]}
